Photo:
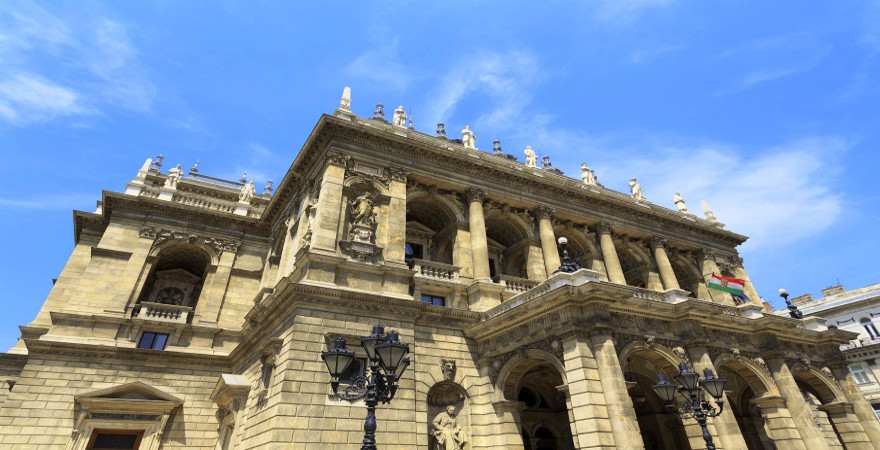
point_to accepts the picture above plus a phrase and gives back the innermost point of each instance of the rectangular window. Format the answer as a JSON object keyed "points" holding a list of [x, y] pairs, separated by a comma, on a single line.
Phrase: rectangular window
{"points": [[860, 374], [114, 440], [876, 407], [153, 341], [435, 300]]}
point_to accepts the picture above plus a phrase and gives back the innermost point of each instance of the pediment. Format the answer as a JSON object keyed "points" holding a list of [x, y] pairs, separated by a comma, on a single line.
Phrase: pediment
{"points": [[137, 397]]}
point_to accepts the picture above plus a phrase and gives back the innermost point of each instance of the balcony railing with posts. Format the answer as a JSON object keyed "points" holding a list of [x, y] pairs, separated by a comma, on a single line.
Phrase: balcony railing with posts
{"points": [[160, 312], [516, 284], [861, 342], [435, 270]]}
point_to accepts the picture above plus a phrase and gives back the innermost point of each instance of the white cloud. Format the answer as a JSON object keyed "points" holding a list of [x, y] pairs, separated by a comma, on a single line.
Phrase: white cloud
{"points": [[784, 194], [382, 66], [97, 59], [26, 98]]}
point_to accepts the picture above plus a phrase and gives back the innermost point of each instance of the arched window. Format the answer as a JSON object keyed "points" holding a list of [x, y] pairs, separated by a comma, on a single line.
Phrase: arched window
{"points": [[177, 276]]}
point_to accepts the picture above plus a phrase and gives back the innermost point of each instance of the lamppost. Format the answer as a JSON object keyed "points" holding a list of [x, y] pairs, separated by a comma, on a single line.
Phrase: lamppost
{"points": [[388, 360], [692, 387], [568, 264], [793, 310]]}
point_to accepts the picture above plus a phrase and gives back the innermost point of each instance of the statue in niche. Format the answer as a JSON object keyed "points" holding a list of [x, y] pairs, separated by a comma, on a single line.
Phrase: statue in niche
{"points": [[362, 210], [447, 432]]}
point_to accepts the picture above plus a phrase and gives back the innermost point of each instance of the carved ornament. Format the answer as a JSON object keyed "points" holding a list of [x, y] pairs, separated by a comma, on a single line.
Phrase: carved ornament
{"points": [[163, 235]]}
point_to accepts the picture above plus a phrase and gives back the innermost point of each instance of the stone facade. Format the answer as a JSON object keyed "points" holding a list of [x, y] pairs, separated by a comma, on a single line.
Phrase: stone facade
{"points": [[192, 312]]}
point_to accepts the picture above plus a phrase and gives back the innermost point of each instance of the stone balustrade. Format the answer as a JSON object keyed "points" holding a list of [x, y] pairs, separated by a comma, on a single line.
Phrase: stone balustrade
{"points": [[160, 312], [436, 270], [203, 202], [517, 284]]}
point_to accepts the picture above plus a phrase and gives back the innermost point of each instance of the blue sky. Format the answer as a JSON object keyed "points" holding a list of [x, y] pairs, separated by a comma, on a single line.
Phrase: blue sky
{"points": [[768, 110]]}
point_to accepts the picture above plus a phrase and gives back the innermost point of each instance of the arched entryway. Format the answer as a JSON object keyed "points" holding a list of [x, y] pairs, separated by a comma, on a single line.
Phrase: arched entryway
{"points": [[660, 428], [819, 391], [746, 384], [536, 381]]}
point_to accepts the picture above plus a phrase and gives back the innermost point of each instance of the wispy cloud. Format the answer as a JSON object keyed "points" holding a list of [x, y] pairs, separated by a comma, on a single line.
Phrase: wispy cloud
{"points": [[382, 66], [624, 12], [95, 57]]}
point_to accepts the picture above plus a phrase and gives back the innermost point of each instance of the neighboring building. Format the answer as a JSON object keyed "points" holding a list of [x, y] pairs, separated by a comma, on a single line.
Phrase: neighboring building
{"points": [[857, 311], [192, 312]]}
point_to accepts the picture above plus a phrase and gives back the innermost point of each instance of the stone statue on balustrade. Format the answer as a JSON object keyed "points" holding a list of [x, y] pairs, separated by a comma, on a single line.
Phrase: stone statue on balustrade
{"points": [[446, 430], [588, 177], [531, 156], [636, 189], [247, 193], [468, 139], [174, 175], [679, 203]]}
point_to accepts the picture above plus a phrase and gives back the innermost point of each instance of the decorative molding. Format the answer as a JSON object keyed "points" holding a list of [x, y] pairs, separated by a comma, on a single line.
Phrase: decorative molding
{"points": [[164, 235]]}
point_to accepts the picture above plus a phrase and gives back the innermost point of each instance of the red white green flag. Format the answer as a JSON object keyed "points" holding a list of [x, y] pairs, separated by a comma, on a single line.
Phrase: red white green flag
{"points": [[731, 285]]}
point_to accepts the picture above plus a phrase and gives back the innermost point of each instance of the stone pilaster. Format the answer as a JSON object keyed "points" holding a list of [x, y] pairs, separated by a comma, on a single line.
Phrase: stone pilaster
{"points": [[609, 254], [330, 210], [728, 430], [395, 246], [477, 227], [860, 407], [847, 426], [779, 424], [544, 215], [797, 405], [589, 410], [667, 275], [216, 284], [624, 422], [508, 434]]}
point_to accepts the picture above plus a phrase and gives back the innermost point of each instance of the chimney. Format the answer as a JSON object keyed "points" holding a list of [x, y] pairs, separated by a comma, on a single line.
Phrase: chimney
{"points": [[833, 290]]}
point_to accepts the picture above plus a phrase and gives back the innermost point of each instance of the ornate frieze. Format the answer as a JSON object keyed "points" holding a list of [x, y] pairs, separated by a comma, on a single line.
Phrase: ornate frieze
{"points": [[162, 235]]}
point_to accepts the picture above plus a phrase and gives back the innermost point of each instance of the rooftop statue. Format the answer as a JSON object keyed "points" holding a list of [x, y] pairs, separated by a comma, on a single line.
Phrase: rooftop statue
{"points": [[399, 118], [345, 101], [173, 177], [531, 156], [588, 177], [145, 168], [635, 189], [710, 215], [468, 139], [679, 203], [248, 191]]}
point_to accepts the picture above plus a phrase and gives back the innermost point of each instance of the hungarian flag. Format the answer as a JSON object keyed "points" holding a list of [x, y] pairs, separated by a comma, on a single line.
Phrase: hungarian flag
{"points": [[734, 286]]}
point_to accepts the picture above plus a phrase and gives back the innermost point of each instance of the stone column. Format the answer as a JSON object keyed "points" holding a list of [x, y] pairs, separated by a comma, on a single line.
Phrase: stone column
{"points": [[609, 254], [708, 266], [862, 410], [589, 411], [778, 423], [667, 275], [330, 209], [797, 405], [548, 239], [477, 228], [536, 270], [741, 273], [624, 422], [728, 430]]}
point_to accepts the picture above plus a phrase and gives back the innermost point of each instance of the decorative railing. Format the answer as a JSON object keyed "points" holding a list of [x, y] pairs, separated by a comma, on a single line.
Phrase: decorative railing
{"points": [[150, 192], [160, 312], [436, 270], [859, 343], [517, 284], [203, 202]]}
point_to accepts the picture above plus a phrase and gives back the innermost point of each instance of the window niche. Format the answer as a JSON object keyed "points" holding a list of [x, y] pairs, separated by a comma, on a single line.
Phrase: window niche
{"points": [[267, 368]]}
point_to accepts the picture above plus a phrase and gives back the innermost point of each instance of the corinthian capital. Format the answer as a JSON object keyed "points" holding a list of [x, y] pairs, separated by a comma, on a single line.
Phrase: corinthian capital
{"points": [[603, 228], [657, 242], [475, 195], [544, 212]]}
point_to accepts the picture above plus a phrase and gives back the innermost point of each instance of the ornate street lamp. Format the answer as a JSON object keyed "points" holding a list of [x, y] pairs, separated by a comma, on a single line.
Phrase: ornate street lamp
{"points": [[388, 361], [568, 264], [793, 310], [692, 387]]}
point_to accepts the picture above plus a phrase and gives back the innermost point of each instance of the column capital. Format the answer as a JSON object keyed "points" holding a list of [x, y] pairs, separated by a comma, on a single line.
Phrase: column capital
{"points": [[603, 227], [397, 174], [475, 195], [544, 211], [657, 242], [338, 158], [707, 253]]}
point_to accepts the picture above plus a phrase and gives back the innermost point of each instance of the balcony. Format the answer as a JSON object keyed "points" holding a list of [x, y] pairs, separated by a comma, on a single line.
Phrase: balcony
{"points": [[515, 285], [433, 270], [160, 312]]}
